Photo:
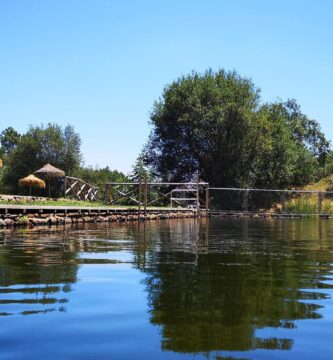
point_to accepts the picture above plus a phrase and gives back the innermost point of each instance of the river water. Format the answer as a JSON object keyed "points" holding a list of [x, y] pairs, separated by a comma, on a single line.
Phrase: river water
{"points": [[178, 289]]}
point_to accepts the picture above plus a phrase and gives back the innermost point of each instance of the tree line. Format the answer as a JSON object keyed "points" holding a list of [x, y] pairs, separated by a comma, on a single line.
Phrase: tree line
{"points": [[22, 154], [214, 124]]}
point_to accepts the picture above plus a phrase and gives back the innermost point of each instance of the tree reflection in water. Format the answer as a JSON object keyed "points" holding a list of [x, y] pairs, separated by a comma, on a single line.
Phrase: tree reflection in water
{"points": [[212, 285], [37, 270]]}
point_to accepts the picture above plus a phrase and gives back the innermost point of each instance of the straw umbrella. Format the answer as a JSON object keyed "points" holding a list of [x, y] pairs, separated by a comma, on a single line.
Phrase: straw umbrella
{"points": [[49, 171], [32, 181]]}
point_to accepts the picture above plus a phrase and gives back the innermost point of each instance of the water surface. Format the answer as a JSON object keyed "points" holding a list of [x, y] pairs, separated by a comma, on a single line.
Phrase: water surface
{"points": [[178, 289]]}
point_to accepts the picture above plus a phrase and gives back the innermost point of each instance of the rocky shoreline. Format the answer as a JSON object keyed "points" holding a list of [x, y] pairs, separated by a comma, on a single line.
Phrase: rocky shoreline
{"points": [[35, 219]]}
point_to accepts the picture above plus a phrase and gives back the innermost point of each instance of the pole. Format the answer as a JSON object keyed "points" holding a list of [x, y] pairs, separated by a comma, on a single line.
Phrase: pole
{"points": [[145, 196], [139, 203], [283, 201], [320, 203], [207, 198], [198, 196], [246, 201], [65, 185], [106, 195]]}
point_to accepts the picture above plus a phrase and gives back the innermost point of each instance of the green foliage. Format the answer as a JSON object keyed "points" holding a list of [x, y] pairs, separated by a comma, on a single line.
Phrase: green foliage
{"points": [[328, 166], [308, 204], [24, 154], [214, 123], [141, 170], [40, 145], [9, 138], [24, 220], [304, 204], [100, 176]]}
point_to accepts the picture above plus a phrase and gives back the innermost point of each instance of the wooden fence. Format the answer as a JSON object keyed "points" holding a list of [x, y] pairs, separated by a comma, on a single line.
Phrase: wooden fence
{"points": [[79, 189], [310, 202], [145, 194], [200, 196]]}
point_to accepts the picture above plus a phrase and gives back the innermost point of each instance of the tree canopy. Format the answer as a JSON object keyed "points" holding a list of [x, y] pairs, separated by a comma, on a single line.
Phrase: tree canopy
{"points": [[25, 153], [38, 146], [216, 124]]}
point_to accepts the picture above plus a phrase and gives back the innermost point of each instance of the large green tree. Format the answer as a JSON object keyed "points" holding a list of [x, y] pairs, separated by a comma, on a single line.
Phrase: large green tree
{"points": [[215, 123]]}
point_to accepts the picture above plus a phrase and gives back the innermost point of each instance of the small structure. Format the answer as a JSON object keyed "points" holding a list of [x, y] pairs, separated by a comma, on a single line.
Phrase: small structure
{"points": [[49, 171], [32, 181]]}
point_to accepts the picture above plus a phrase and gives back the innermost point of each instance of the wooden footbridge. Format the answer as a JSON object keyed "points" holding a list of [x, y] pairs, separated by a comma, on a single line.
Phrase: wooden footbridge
{"points": [[144, 197]]}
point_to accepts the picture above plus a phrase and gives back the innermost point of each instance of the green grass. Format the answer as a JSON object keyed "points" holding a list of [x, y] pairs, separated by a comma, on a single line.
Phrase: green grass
{"points": [[70, 202], [302, 205], [308, 203]]}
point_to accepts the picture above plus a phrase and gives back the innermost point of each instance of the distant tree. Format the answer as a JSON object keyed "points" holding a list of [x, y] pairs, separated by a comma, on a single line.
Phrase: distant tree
{"points": [[100, 176], [72, 157], [9, 138], [307, 132], [289, 158], [141, 170]]}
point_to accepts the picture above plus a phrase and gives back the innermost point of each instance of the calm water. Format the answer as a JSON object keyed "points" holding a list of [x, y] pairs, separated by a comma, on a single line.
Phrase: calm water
{"points": [[216, 289]]}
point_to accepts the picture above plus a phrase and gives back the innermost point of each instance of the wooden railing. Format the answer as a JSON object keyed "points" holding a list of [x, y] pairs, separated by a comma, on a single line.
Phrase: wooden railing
{"points": [[80, 190], [146, 194]]}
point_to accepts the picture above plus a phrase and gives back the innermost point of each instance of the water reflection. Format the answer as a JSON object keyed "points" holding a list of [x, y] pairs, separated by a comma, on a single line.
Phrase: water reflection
{"points": [[36, 272], [211, 285]]}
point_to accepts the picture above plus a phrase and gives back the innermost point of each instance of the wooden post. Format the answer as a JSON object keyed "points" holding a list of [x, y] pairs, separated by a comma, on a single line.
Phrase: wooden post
{"points": [[139, 203], [246, 201], [283, 201], [145, 196], [207, 198], [106, 195], [198, 196], [320, 203], [65, 185]]}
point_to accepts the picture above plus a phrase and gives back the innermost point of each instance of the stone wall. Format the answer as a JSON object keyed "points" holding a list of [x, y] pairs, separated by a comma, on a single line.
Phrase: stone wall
{"points": [[35, 219], [17, 198]]}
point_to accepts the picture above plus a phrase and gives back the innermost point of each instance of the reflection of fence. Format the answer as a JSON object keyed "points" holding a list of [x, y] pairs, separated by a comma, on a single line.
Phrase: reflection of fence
{"points": [[275, 201], [80, 190], [192, 194]]}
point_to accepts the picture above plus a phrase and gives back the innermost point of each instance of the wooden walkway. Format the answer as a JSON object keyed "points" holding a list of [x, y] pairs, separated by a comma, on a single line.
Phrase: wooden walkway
{"points": [[5, 209]]}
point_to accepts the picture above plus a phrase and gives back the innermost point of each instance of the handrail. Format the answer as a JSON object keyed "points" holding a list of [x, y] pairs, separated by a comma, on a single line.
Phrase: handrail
{"points": [[156, 183], [82, 181], [274, 190]]}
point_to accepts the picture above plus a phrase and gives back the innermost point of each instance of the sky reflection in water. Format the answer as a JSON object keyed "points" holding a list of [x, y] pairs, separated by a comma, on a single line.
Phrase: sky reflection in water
{"points": [[242, 289]]}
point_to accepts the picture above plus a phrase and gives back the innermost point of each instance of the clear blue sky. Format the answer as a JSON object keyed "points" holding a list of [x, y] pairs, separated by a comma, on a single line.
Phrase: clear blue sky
{"points": [[100, 64]]}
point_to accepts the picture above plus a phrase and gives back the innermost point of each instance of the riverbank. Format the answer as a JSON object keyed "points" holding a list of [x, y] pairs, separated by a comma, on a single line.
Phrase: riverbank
{"points": [[34, 215]]}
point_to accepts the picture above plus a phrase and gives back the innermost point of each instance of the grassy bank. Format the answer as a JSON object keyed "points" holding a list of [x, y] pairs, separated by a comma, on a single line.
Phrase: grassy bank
{"points": [[68, 202], [308, 203]]}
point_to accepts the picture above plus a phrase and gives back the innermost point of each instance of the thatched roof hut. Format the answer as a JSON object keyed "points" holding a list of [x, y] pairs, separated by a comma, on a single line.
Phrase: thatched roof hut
{"points": [[49, 171], [32, 181]]}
